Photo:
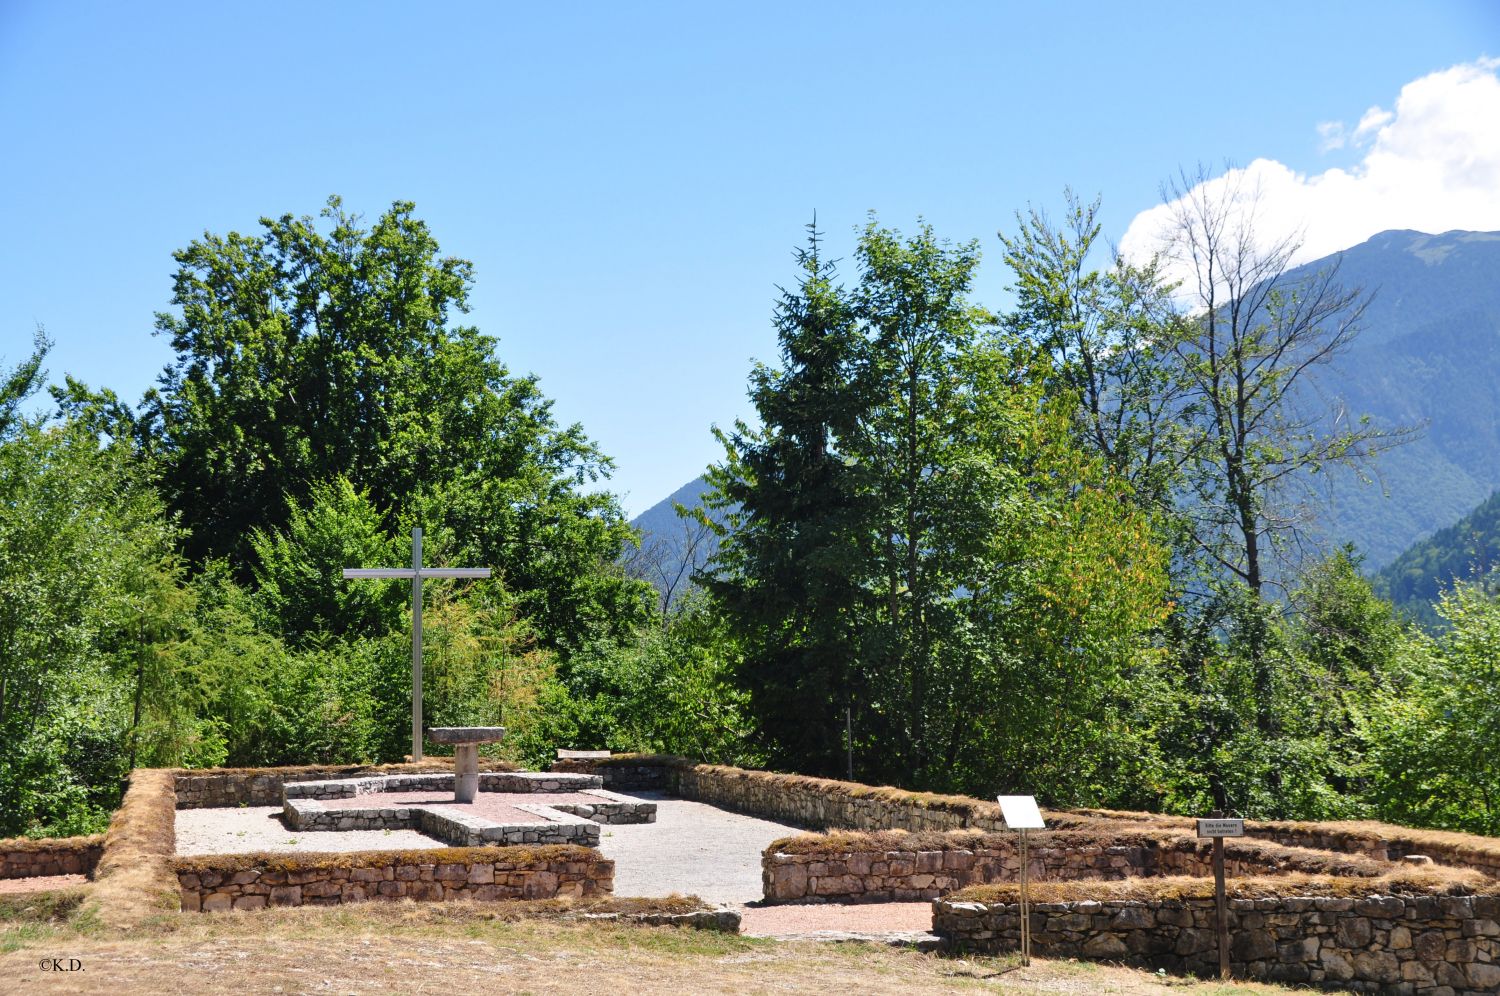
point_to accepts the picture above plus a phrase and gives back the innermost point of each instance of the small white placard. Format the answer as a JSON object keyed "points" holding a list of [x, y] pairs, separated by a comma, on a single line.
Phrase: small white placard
{"points": [[1221, 828], [1020, 812]]}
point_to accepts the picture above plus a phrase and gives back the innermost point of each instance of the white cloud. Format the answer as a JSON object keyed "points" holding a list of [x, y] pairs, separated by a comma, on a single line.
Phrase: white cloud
{"points": [[1333, 135], [1431, 163], [1370, 124]]}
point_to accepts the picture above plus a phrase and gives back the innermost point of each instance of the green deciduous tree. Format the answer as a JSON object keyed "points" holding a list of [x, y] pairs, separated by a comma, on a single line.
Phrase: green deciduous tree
{"points": [[984, 572], [89, 604], [324, 701], [1257, 332], [305, 354], [1109, 333], [1435, 731], [19, 383], [670, 690]]}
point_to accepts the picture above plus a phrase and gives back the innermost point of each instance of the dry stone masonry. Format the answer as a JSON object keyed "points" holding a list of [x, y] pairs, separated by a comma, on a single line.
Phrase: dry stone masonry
{"points": [[417, 875], [795, 799], [823, 804], [215, 787], [58, 856], [855, 872], [1392, 945]]}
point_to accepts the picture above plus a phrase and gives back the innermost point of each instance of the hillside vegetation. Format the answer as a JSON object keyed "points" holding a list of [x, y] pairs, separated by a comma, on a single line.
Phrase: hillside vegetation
{"points": [[1467, 551]]}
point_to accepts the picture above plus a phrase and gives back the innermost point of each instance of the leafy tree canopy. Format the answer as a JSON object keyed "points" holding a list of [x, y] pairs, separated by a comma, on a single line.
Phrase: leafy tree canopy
{"points": [[919, 542], [310, 352]]}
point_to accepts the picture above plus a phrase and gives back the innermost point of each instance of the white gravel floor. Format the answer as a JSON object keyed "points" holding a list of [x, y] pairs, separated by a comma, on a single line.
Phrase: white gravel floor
{"points": [[692, 849], [259, 828]]}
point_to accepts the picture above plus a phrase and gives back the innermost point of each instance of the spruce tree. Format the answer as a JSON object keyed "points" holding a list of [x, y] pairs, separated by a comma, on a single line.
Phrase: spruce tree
{"points": [[790, 579]]}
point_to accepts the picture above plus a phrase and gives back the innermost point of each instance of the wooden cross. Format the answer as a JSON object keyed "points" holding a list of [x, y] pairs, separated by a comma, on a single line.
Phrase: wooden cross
{"points": [[415, 573]]}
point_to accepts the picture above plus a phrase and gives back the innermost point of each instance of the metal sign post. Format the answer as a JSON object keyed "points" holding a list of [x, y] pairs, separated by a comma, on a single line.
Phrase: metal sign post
{"points": [[1020, 812], [1025, 901], [1218, 828], [415, 574]]}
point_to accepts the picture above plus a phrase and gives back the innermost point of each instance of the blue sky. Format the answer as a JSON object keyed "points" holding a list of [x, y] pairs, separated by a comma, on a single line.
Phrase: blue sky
{"points": [[630, 180]]}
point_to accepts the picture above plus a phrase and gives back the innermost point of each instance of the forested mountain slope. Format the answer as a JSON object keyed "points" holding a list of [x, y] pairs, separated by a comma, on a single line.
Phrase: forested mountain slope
{"points": [[1429, 356], [1468, 550]]}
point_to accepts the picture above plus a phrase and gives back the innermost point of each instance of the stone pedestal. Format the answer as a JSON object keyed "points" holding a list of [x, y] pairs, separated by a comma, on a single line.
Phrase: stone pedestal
{"points": [[466, 741], [466, 772]]}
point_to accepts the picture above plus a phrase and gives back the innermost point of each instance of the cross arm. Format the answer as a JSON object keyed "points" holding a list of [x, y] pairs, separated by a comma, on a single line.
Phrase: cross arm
{"points": [[455, 572], [379, 572]]}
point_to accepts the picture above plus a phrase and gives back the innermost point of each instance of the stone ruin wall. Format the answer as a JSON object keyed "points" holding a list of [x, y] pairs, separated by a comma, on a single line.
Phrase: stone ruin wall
{"points": [[24, 858], [803, 802], [820, 804], [1454, 854], [457, 828], [794, 799], [208, 889], [1392, 945], [886, 875], [213, 787], [489, 781], [645, 776]]}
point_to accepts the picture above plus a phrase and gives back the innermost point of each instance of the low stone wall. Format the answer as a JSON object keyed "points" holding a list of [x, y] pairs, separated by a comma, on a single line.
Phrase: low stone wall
{"points": [[551, 827], [548, 826], [27, 858], [814, 802], [250, 882], [1386, 842], [497, 781], [209, 787], [797, 799], [1380, 841], [629, 772], [611, 809], [1395, 945], [345, 804], [853, 868], [820, 803]]}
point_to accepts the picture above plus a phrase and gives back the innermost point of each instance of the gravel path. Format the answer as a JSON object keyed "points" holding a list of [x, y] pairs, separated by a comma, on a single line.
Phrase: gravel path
{"points": [[259, 828], [693, 849], [830, 919], [40, 883]]}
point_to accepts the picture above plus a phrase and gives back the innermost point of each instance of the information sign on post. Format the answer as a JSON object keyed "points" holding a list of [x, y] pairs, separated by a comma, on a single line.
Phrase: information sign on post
{"points": [[1218, 828], [1221, 828], [1020, 813]]}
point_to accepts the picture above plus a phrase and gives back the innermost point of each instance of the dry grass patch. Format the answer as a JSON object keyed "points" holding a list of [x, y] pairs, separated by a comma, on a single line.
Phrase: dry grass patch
{"points": [[134, 878], [446, 948], [33, 845], [50, 905], [1403, 882]]}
